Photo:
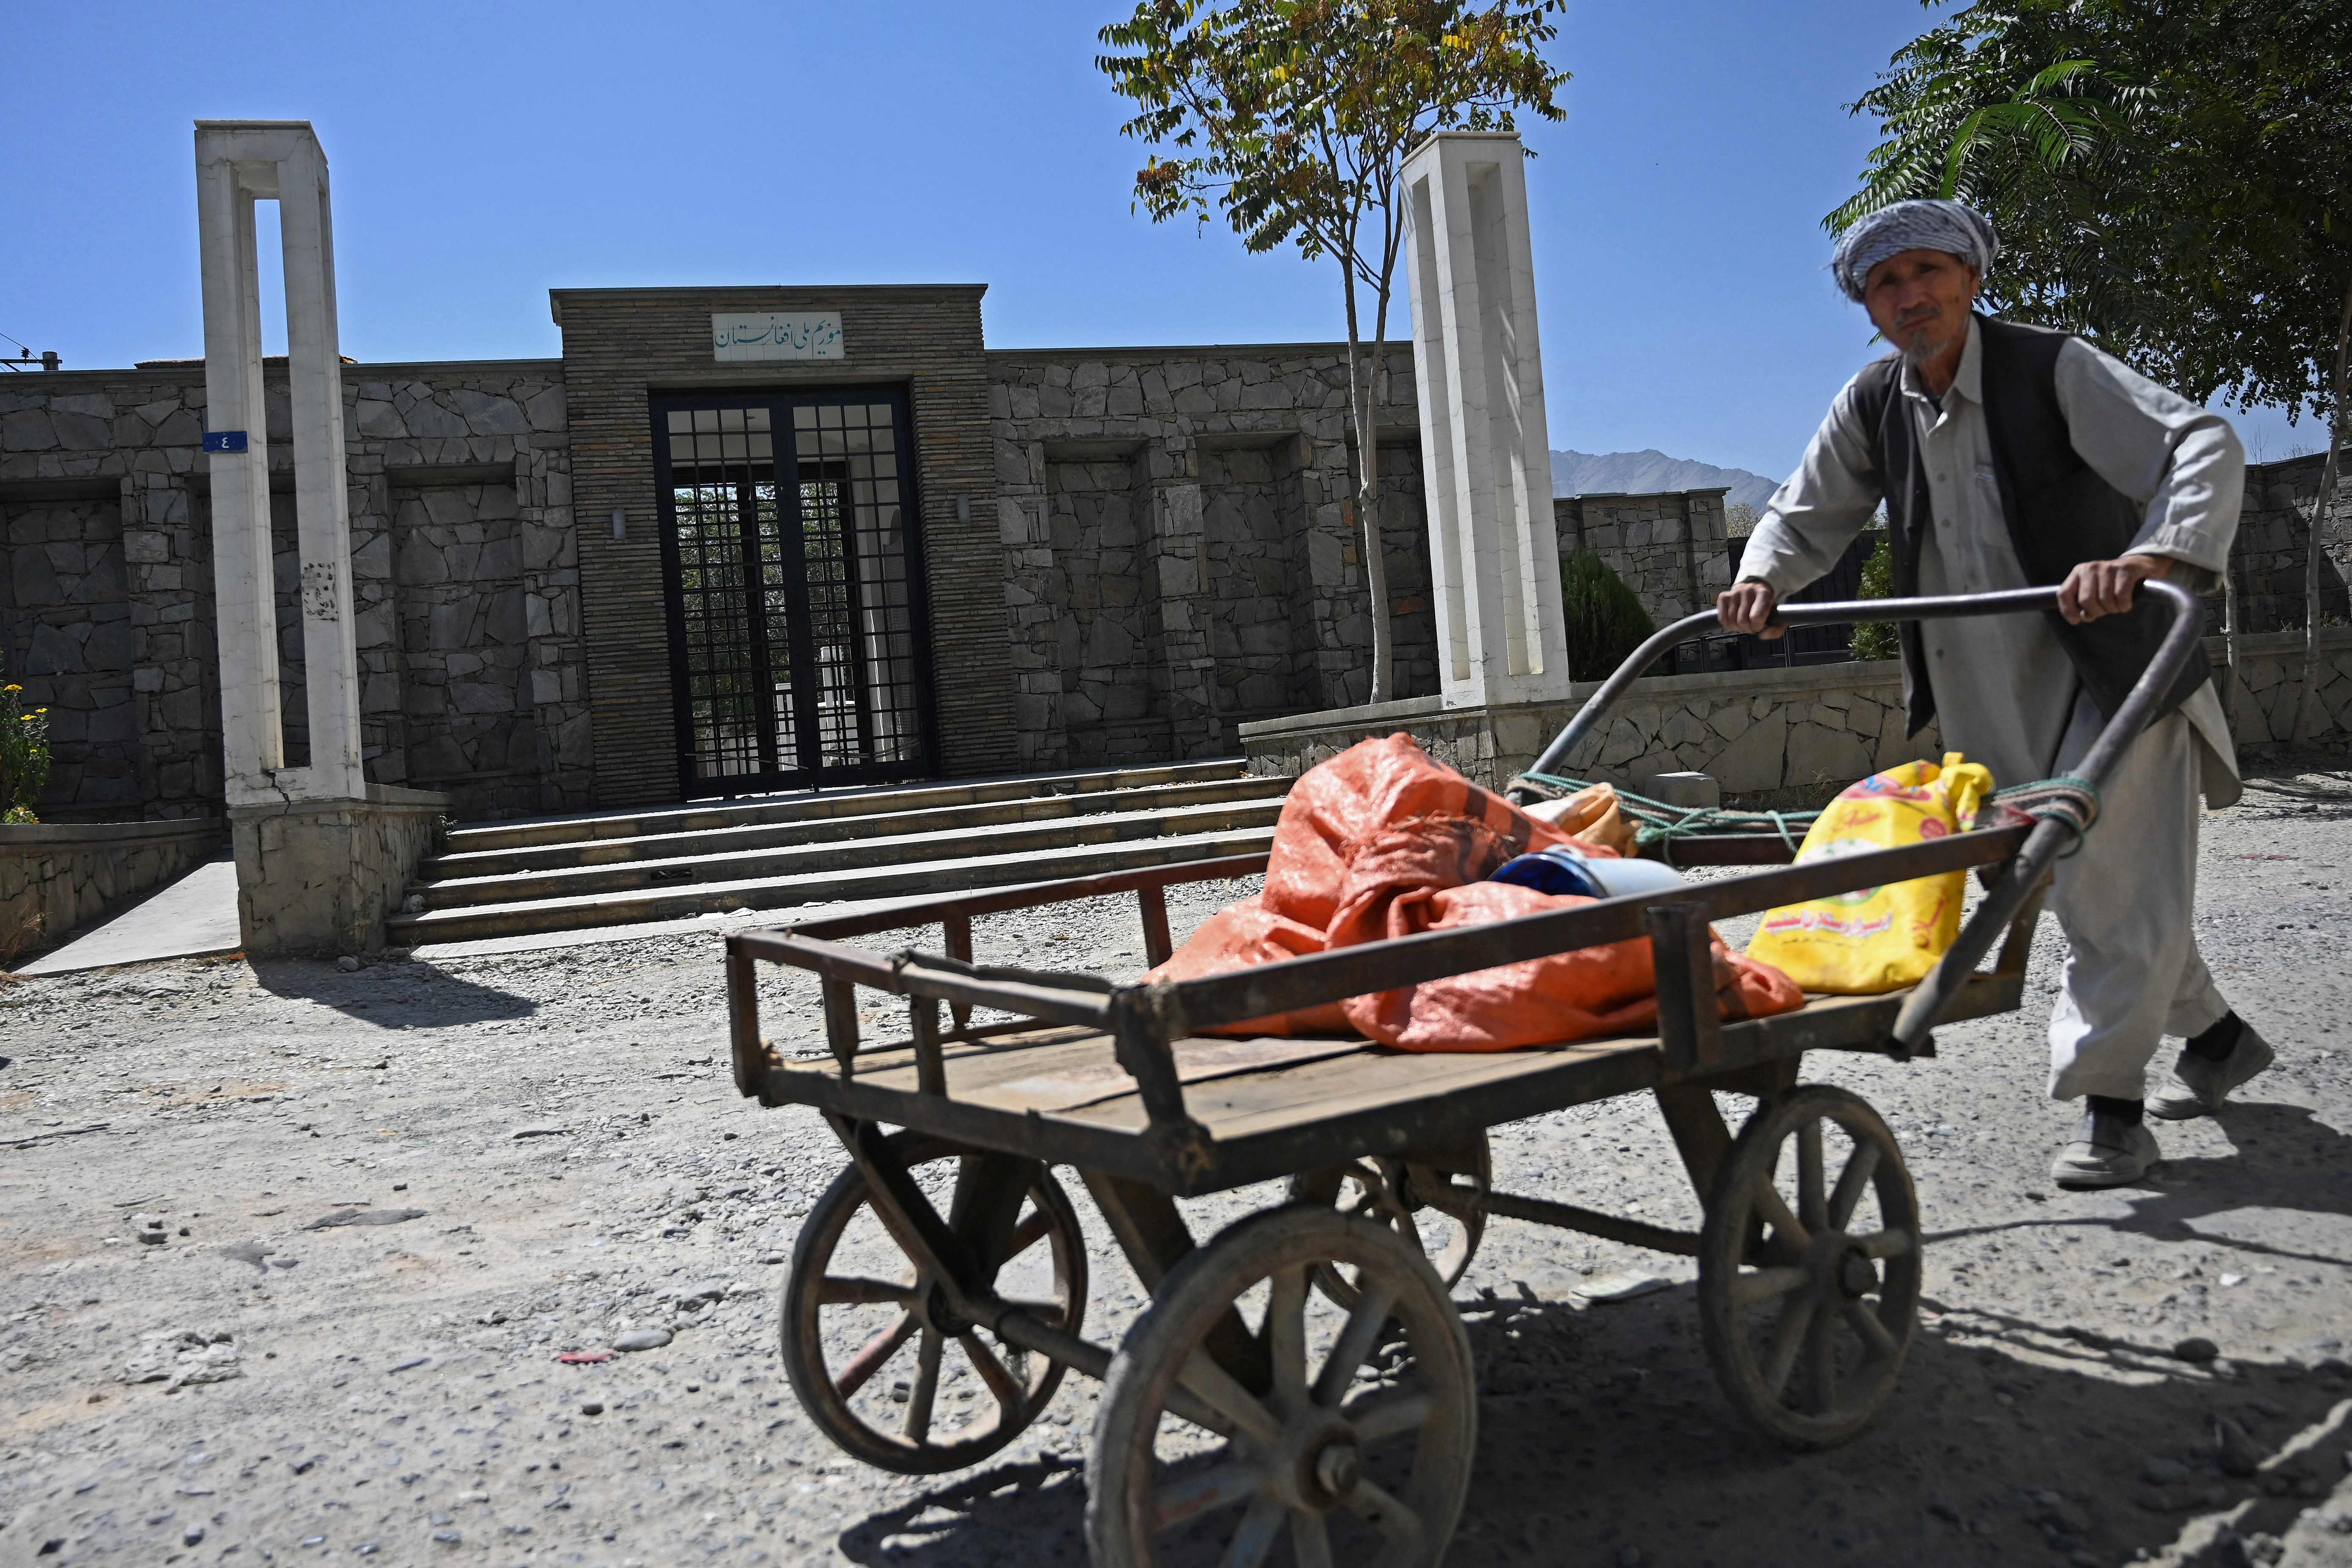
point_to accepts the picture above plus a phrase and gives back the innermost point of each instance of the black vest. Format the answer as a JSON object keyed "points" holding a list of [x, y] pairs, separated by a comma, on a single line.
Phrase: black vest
{"points": [[2060, 512]]}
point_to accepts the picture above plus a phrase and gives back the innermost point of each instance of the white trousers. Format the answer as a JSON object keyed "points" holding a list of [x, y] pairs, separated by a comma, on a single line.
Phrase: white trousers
{"points": [[2126, 902]]}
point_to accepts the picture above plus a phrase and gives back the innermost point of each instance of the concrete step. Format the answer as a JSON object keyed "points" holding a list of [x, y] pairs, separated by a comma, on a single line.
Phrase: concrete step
{"points": [[887, 847], [957, 874], [705, 844], [809, 805]]}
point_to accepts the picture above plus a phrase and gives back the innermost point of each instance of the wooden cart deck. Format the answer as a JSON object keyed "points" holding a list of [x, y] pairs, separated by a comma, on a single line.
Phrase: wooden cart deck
{"points": [[1270, 1106]]}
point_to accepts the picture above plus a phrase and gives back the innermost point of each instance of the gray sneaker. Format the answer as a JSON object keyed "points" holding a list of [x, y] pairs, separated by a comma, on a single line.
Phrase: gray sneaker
{"points": [[2196, 1087], [2107, 1152]]}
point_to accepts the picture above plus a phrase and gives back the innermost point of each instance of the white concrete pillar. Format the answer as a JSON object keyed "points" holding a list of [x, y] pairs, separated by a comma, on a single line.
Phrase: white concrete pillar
{"points": [[1486, 452], [237, 162]]}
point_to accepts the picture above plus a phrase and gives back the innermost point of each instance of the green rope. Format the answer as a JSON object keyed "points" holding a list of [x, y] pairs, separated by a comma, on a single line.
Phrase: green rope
{"points": [[2072, 800], [1656, 821]]}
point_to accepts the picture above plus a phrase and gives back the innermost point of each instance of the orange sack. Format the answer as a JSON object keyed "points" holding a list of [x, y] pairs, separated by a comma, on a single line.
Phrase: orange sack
{"points": [[1381, 841]]}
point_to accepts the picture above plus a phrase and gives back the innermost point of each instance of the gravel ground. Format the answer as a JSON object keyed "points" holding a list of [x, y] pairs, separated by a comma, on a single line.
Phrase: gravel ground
{"points": [[386, 1200]]}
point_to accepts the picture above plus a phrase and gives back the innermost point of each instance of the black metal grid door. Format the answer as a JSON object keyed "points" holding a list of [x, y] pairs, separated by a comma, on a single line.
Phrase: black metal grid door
{"points": [[794, 584]]}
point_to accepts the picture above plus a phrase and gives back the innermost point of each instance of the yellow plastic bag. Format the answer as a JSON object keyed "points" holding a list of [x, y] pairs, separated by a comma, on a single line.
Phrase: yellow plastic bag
{"points": [[1878, 939]]}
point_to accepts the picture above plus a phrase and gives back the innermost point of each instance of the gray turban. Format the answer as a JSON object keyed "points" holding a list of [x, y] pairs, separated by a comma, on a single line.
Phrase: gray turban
{"points": [[1951, 226]]}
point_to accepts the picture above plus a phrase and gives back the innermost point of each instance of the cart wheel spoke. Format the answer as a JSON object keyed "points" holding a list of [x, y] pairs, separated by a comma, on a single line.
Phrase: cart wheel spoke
{"points": [[1813, 1204], [1043, 1311], [1820, 1363], [872, 1355], [1886, 1243], [926, 1387], [1385, 1513], [1260, 1525], [1009, 1395], [1767, 1283], [1285, 1337], [1874, 1333], [1309, 1541], [1852, 1183], [845, 1291], [1223, 1394], [1377, 1418], [1787, 1338], [1356, 1342], [1205, 1491], [1788, 1235], [1034, 1228]]}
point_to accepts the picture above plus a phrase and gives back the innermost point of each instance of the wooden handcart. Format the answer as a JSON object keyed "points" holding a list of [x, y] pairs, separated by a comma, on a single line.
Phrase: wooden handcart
{"points": [[1301, 1383]]}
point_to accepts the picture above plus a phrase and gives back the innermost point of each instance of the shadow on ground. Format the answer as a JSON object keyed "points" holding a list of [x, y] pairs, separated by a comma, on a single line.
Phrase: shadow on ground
{"points": [[1602, 1440], [2285, 1162], [393, 995], [2295, 788]]}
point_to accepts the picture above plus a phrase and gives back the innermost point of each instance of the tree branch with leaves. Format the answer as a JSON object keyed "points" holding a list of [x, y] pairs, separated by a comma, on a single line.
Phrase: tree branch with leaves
{"points": [[2171, 180], [1291, 118]]}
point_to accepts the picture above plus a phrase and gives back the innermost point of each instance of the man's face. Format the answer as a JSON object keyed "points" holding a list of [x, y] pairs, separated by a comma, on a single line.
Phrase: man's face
{"points": [[1919, 299]]}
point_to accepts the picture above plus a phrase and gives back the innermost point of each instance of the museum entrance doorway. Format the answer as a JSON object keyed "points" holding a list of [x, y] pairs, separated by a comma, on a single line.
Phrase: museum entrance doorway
{"points": [[793, 567]]}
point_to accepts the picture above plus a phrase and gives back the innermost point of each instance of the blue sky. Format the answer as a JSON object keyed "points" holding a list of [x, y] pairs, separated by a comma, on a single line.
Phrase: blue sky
{"points": [[484, 153]]}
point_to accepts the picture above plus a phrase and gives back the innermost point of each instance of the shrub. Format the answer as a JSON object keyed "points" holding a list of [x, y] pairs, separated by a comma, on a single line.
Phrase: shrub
{"points": [[24, 755], [1605, 620], [1876, 639]]}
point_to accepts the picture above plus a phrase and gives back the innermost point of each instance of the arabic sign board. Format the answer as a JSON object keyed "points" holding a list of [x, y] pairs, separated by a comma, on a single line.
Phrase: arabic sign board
{"points": [[223, 441], [764, 335]]}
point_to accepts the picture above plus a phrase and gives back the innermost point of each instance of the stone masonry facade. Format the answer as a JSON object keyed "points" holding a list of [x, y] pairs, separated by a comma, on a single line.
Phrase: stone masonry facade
{"points": [[1129, 555], [473, 679], [1180, 555], [1669, 548]]}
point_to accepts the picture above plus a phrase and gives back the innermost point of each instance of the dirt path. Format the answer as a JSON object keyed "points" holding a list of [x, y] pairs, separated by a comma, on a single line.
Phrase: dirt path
{"points": [[534, 1153]]}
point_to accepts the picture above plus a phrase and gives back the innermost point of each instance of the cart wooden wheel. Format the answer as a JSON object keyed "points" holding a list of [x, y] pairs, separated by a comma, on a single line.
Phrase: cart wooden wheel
{"points": [[1809, 1267], [1434, 1196], [1357, 1452], [877, 1361]]}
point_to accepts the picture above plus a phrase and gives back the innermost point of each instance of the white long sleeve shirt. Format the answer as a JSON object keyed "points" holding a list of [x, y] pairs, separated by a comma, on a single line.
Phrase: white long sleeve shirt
{"points": [[2003, 685]]}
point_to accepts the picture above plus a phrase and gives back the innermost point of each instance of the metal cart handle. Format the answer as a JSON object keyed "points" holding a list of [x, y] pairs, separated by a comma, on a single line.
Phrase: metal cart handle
{"points": [[2050, 838]]}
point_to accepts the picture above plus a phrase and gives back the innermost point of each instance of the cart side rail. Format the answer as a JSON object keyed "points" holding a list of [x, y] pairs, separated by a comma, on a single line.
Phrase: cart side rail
{"points": [[1144, 1017]]}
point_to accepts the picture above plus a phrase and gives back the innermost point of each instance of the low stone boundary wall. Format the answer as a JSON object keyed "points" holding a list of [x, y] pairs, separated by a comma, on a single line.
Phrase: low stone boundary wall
{"points": [[56, 878], [1770, 737]]}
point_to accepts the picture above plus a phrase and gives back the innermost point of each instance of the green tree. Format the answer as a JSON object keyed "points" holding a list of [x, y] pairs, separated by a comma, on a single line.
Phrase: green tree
{"points": [[1604, 617], [1876, 639], [1292, 117], [2169, 180]]}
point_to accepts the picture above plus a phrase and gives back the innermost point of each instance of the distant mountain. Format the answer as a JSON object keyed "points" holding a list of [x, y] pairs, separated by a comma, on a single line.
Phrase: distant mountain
{"points": [[1645, 473]]}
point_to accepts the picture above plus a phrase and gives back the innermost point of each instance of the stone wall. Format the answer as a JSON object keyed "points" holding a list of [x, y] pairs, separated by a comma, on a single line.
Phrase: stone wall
{"points": [[56, 878], [2274, 535], [466, 698], [1669, 548], [104, 507], [2269, 696], [68, 643], [1770, 737], [1179, 555]]}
